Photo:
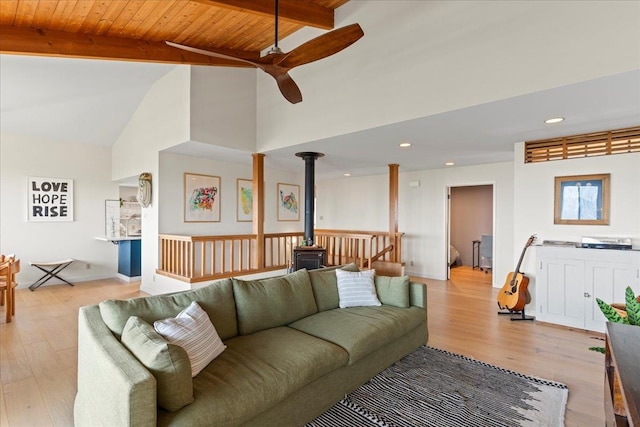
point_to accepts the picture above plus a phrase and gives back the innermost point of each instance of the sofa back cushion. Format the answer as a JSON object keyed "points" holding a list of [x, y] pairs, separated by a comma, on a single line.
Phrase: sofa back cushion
{"points": [[168, 363], [216, 299], [393, 290], [325, 286], [269, 303]]}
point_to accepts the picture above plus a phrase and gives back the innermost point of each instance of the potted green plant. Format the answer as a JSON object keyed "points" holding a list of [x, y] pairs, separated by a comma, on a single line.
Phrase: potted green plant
{"points": [[629, 315]]}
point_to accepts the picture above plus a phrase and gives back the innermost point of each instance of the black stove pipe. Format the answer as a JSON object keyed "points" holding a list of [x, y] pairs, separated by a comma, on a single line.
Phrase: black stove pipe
{"points": [[309, 192]]}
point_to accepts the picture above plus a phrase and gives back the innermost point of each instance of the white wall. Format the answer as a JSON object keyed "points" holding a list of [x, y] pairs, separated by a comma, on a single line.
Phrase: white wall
{"points": [[90, 168], [419, 58], [362, 203], [523, 205], [223, 107], [535, 198], [170, 193], [161, 121], [173, 167], [205, 104], [354, 203]]}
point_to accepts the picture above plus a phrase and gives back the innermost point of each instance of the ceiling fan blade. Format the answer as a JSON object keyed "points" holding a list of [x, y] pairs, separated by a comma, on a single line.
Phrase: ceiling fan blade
{"points": [[322, 46], [214, 54], [288, 87]]}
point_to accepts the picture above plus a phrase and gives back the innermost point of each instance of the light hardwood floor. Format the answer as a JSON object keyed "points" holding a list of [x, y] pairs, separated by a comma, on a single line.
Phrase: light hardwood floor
{"points": [[38, 349]]}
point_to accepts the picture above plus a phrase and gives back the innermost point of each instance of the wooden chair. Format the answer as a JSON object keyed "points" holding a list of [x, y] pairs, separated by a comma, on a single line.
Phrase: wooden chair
{"points": [[9, 266], [4, 259]]}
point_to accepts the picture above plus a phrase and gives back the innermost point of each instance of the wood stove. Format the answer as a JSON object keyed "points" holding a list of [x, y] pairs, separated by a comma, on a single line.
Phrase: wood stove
{"points": [[310, 257]]}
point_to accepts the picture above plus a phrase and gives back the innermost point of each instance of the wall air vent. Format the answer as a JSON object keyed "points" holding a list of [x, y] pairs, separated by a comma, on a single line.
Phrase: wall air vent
{"points": [[617, 141]]}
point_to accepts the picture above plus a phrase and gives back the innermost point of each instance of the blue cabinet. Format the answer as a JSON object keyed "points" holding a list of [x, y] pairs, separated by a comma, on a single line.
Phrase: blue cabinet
{"points": [[129, 259]]}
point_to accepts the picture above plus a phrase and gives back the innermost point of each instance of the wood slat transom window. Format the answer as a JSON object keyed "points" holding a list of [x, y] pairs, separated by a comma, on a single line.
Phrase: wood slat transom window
{"points": [[586, 145]]}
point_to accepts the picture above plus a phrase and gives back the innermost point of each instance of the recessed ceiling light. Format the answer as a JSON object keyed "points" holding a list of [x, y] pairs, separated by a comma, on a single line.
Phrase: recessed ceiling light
{"points": [[347, 174], [449, 164], [405, 144], [554, 120]]}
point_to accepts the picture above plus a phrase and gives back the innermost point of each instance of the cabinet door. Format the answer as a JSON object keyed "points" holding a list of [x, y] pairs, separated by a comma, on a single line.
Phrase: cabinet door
{"points": [[560, 292], [606, 280]]}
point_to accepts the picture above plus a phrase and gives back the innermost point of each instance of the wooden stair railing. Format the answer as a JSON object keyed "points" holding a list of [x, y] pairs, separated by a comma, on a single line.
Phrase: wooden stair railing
{"points": [[378, 246], [380, 254], [195, 259]]}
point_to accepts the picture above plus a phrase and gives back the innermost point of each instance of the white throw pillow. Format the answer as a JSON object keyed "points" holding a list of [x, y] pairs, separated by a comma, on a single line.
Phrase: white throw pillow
{"points": [[357, 289], [192, 330]]}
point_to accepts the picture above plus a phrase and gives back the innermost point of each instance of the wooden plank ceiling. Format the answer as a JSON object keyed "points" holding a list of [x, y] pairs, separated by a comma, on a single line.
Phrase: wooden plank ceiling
{"points": [[136, 30]]}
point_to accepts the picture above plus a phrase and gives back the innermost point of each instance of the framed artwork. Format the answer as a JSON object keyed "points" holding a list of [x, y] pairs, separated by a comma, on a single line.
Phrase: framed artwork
{"points": [[49, 199], [288, 202], [201, 198], [244, 201], [112, 218], [582, 199]]}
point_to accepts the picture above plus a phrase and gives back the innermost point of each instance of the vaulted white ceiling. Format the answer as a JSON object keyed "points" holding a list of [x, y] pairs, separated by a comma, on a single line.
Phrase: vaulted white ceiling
{"points": [[88, 101], [72, 100]]}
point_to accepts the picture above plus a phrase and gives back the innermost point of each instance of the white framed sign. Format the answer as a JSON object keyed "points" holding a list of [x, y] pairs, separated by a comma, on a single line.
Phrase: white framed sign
{"points": [[49, 199]]}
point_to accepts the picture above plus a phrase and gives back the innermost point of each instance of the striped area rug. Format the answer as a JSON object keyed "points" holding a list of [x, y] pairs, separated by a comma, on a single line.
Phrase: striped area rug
{"points": [[432, 387]]}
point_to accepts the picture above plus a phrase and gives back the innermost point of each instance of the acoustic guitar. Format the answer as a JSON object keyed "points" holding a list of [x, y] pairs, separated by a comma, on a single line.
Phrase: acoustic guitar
{"points": [[514, 295]]}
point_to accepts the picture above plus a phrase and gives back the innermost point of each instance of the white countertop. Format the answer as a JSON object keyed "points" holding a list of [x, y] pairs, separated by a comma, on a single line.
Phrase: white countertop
{"points": [[118, 239]]}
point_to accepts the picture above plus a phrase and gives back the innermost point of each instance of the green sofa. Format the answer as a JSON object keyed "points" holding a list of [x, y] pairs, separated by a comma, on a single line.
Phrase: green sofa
{"points": [[291, 352]]}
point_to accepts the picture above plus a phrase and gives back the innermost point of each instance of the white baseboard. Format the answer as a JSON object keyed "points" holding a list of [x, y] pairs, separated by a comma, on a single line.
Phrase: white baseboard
{"points": [[72, 280], [128, 279]]}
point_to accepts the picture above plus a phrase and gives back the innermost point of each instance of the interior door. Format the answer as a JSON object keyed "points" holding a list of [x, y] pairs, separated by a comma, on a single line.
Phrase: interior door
{"points": [[470, 214]]}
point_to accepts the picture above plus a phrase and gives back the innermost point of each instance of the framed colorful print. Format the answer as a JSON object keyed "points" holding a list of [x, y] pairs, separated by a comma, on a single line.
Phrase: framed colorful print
{"points": [[201, 198], [244, 203], [288, 202]]}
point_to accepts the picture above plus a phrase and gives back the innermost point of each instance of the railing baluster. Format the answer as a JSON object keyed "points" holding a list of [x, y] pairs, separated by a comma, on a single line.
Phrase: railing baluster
{"points": [[231, 255]]}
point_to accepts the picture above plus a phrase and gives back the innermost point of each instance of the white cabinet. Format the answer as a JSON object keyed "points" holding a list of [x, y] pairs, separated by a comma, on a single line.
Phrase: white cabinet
{"points": [[568, 281], [559, 289], [607, 280]]}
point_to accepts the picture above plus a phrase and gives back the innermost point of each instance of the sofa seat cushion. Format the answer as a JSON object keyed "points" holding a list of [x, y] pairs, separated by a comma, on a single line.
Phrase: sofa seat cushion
{"points": [[255, 372], [362, 330]]}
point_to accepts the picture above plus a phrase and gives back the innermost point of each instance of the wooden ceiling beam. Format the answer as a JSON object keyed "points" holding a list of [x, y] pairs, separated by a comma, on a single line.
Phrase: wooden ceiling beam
{"points": [[31, 41], [298, 11]]}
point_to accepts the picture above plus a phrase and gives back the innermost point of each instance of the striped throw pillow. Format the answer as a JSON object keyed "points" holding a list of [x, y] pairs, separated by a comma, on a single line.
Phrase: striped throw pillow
{"points": [[192, 330], [356, 289]]}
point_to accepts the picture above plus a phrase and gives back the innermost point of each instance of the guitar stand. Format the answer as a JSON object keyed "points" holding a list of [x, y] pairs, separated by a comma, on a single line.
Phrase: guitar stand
{"points": [[523, 316]]}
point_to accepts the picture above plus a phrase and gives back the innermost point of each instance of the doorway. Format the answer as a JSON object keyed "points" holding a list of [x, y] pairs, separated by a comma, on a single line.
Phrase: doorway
{"points": [[470, 226]]}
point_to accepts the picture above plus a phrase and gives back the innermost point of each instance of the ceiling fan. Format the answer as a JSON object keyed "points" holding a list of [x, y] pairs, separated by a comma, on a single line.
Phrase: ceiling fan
{"points": [[278, 63]]}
